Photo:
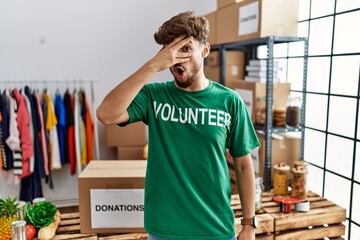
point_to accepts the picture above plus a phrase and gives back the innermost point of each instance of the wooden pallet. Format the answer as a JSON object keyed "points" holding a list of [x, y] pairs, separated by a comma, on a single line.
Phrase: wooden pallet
{"points": [[69, 228], [324, 220]]}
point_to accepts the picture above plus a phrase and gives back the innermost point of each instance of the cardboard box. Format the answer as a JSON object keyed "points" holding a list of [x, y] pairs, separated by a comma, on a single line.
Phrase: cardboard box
{"points": [[130, 152], [251, 19], [231, 58], [211, 17], [285, 148], [111, 196], [234, 66], [250, 92], [212, 73], [132, 134], [224, 3], [232, 72]]}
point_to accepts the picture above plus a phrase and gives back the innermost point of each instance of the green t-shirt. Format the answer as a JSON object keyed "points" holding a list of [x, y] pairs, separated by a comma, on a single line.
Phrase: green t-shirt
{"points": [[187, 186]]}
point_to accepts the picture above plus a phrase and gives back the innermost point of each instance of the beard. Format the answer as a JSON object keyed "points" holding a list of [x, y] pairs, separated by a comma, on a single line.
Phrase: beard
{"points": [[189, 77]]}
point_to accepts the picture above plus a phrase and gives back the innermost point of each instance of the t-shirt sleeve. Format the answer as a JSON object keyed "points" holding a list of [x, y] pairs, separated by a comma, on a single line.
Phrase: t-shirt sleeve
{"points": [[242, 137], [138, 109]]}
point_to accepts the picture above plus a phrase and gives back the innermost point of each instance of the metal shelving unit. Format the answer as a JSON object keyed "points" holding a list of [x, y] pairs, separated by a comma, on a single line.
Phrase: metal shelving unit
{"points": [[250, 47]]}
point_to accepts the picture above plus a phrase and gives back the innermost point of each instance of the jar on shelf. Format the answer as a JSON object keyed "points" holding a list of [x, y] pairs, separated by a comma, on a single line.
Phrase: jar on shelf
{"points": [[293, 112], [260, 115], [281, 179], [300, 163], [258, 191], [299, 182]]}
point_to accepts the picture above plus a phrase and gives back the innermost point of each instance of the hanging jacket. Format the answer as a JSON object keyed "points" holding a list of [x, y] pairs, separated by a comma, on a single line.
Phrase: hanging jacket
{"points": [[61, 126], [30, 187], [13, 140], [44, 171], [6, 151], [31, 128], [70, 134], [51, 122], [23, 119]]}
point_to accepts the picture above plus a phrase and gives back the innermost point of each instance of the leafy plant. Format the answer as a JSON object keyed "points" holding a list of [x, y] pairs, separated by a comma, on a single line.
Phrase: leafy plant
{"points": [[41, 214]]}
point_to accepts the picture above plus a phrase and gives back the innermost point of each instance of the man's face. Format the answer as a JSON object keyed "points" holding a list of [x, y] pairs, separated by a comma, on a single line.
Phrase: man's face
{"points": [[186, 73]]}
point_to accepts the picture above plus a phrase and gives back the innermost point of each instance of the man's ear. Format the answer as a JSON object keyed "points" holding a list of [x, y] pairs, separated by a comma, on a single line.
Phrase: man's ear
{"points": [[206, 50]]}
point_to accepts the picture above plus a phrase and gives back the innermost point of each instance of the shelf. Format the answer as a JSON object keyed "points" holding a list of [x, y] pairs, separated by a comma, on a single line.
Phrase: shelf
{"points": [[256, 42], [251, 48], [277, 129]]}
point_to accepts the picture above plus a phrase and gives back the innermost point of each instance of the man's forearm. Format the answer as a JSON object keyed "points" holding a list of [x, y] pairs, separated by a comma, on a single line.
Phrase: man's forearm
{"points": [[246, 184]]}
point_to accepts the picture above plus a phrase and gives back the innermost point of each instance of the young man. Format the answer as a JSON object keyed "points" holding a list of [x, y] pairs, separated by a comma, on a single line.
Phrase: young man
{"points": [[192, 121]]}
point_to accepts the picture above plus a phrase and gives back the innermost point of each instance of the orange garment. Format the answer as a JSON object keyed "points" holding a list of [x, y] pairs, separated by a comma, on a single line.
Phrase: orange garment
{"points": [[89, 127]]}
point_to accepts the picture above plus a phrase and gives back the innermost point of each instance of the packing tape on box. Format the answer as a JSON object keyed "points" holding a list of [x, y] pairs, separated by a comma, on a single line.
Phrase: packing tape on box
{"points": [[302, 206]]}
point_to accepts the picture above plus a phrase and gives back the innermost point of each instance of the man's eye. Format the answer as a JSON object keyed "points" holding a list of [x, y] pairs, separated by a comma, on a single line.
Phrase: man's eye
{"points": [[186, 49]]}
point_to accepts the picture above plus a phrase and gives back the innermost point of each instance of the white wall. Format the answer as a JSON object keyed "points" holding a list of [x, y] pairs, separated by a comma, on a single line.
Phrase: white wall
{"points": [[83, 39]]}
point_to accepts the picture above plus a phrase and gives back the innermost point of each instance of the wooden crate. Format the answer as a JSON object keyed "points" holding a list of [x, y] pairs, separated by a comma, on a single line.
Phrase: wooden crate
{"points": [[324, 220]]}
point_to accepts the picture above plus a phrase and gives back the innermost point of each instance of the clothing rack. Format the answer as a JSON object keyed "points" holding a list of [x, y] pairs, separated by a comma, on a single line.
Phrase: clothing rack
{"points": [[78, 83]]}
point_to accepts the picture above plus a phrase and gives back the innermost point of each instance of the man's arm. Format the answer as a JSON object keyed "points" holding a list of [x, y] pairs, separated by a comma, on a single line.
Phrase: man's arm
{"points": [[113, 109], [245, 179]]}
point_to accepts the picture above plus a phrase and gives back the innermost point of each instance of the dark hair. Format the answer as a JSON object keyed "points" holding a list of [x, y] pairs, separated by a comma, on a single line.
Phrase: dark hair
{"points": [[184, 24]]}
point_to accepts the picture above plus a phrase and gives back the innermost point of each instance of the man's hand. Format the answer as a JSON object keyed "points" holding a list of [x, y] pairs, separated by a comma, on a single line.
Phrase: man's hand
{"points": [[247, 233], [170, 54]]}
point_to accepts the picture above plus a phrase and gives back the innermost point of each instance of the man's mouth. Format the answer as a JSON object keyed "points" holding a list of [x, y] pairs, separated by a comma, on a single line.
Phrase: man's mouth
{"points": [[179, 72]]}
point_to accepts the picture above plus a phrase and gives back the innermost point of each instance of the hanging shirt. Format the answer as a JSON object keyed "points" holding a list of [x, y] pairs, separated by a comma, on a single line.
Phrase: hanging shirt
{"points": [[36, 129], [77, 127], [30, 187], [82, 130], [61, 126], [31, 128], [13, 140], [4, 126], [42, 138], [26, 144], [70, 137], [51, 122], [89, 128]]}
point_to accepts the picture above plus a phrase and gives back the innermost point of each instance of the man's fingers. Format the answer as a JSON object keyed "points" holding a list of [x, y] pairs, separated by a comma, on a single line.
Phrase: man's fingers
{"points": [[181, 60], [175, 41], [181, 43], [183, 55]]}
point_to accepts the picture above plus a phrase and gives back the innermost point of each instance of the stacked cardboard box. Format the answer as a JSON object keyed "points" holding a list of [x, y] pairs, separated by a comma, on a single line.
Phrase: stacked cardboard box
{"points": [[224, 3], [211, 17], [234, 66], [129, 140], [251, 19], [238, 20], [253, 95]]}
